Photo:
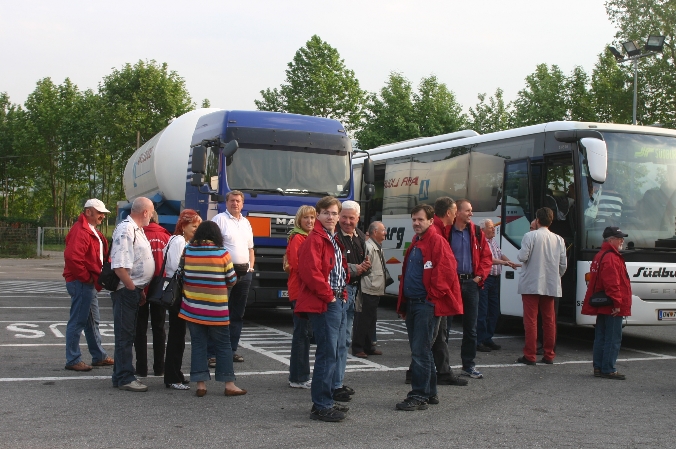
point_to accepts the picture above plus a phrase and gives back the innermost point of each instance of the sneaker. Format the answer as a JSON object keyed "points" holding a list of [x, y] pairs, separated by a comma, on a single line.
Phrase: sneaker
{"points": [[212, 362], [326, 415], [433, 400], [134, 385], [341, 408], [525, 361], [412, 404], [349, 390], [452, 380], [615, 375], [483, 348], [597, 372], [472, 372], [79, 366], [105, 362], [305, 385], [492, 345], [341, 396]]}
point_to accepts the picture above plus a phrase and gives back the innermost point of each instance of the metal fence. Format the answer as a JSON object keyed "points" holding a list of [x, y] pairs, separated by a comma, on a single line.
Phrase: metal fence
{"points": [[51, 239], [18, 241]]}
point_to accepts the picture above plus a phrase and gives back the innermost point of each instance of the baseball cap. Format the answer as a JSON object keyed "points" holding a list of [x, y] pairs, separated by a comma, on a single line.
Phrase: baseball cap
{"points": [[97, 204], [613, 231]]}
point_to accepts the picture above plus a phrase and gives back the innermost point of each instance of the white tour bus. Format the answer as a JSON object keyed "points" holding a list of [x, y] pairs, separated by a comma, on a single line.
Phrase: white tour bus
{"points": [[592, 175]]}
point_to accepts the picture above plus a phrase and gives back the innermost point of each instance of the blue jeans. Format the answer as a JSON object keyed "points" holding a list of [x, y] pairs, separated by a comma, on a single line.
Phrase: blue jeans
{"points": [[84, 315], [470, 303], [125, 312], [421, 325], [199, 366], [299, 362], [349, 321], [236, 305], [329, 332], [489, 310], [608, 336]]}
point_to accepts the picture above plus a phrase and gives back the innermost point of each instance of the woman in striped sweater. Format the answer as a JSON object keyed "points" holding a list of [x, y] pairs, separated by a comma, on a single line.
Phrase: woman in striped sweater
{"points": [[208, 272]]}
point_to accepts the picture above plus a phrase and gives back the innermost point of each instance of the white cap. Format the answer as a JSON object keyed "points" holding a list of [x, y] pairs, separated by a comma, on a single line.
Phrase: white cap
{"points": [[97, 204]]}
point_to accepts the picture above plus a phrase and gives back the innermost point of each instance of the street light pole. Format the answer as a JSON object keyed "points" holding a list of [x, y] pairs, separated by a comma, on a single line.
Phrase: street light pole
{"points": [[635, 88]]}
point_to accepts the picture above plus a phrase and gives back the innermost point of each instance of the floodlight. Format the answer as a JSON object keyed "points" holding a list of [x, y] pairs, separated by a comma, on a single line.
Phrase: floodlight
{"points": [[631, 48], [654, 43], [616, 53]]}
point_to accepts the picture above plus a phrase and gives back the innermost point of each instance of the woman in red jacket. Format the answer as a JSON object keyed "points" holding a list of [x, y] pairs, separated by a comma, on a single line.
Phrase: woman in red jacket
{"points": [[609, 273], [299, 363]]}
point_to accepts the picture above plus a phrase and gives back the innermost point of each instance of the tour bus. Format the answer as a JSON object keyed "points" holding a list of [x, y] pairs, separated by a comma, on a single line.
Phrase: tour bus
{"points": [[592, 175]]}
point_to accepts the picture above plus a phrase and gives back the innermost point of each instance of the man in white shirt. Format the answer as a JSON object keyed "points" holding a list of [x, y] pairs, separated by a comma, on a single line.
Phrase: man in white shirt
{"points": [[132, 259], [238, 240], [543, 254]]}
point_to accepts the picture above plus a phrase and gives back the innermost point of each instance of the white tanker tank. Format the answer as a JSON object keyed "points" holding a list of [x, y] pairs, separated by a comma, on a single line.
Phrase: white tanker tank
{"points": [[160, 165]]}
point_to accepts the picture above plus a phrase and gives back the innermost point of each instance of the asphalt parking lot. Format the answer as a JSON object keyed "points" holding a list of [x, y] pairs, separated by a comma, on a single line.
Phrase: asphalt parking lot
{"points": [[561, 405]]}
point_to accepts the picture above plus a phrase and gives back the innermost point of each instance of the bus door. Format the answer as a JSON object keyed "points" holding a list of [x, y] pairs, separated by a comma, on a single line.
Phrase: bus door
{"points": [[558, 193]]}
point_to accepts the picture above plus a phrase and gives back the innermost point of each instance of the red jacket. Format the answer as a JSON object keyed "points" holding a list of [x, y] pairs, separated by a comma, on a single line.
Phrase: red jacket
{"points": [[82, 254], [158, 238], [316, 259], [292, 259], [482, 258], [441, 281], [442, 229], [613, 278]]}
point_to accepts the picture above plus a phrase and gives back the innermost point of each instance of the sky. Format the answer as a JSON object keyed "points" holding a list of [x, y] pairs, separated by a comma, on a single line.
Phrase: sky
{"points": [[229, 51]]}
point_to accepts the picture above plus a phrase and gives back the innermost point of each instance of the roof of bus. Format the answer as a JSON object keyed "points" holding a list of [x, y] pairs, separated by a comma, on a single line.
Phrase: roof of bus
{"points": [[518, 132]]}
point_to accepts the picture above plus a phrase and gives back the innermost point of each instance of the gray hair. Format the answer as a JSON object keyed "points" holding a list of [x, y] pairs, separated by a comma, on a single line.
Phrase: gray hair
{"points": [[140, 204], [483, 221], [373, 226], [352, 205]]}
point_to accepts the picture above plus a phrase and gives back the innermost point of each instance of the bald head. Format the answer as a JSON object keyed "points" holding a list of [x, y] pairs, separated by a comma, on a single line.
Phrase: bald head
{"points": [[141, 211]]}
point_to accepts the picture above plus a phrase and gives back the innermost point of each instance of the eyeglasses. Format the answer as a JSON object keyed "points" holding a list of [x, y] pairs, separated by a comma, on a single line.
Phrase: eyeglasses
{"points": [[326, 213]]}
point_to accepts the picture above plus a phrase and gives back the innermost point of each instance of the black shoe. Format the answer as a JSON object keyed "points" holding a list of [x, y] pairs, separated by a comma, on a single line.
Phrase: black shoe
{"points": [[341, 408], [492, 345], [452, 380], [483, 348], [524, 360], [433, 400], [412, 404], [615, 375], [341, 396], [349, 390], [327, 415], [547, 361]]}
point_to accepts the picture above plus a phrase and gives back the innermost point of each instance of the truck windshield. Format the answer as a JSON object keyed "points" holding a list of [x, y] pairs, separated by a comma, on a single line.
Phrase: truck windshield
{"points": [[639, 194], [290, 172]]}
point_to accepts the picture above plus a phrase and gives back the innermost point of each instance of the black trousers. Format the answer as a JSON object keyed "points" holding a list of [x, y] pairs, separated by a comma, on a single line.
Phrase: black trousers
{"points": [[157, 317], [365, 324], [175, 349]]}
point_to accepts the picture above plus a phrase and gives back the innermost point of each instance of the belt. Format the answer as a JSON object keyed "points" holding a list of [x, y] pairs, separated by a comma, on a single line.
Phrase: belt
{"points": [[415, 299], [465, 277]]}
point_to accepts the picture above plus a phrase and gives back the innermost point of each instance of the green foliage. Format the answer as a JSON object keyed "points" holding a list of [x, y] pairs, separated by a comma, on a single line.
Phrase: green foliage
{"points": [[399, 113], [543, 99], [611, 90], [579, 100], [317, 83], [206, 103], [490, 117]]}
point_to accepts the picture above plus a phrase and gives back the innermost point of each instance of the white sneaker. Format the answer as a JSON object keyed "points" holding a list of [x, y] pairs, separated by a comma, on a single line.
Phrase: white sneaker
{"points": [[134, 385], [306, 385]]}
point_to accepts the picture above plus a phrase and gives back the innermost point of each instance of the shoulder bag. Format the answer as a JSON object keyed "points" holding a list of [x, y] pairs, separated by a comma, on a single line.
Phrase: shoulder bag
{"points": [[167, 291], [388, 279], [600, 299], [108, 279]]}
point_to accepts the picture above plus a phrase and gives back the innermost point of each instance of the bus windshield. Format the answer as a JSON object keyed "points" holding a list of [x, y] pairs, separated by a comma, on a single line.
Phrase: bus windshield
{"points": [[290, 172], [639, 194]]}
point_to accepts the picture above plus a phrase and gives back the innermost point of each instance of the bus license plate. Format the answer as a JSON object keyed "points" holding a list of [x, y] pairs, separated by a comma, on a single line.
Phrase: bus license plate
{"points": [[666, 315], [285, 294]]}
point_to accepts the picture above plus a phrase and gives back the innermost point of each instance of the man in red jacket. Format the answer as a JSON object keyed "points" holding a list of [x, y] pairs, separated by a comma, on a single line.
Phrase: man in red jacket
{"points": [[85, 249], [427, 291], [475, 260]]}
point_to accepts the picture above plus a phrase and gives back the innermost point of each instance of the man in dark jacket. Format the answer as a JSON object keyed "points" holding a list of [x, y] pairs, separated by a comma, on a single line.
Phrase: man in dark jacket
{"points": [[85, 249], [427, 292]]}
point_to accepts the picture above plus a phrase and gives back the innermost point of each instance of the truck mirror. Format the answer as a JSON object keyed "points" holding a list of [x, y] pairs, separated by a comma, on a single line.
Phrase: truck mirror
{"points": [[369, 191], [367, 172], [199, 159], [596, 153], [197, 180], [217, 198], [230, 148]]}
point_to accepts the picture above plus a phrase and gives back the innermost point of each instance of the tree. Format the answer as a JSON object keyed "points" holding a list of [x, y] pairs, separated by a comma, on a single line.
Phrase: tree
{"points": [[579, 100], [490, 117], [436, 109], [543, 99], [611, 90], [317, 83]]}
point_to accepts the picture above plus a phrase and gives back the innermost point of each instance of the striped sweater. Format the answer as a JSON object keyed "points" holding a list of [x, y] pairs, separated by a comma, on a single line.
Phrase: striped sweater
{"points": [[208, 273]]}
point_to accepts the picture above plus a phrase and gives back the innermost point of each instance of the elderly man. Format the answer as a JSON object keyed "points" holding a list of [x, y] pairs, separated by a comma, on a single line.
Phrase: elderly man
{"points": [[238, 240], [543, 254], [489, 296], [358, 263], [85, 249], [132, 260], [372, 288]]}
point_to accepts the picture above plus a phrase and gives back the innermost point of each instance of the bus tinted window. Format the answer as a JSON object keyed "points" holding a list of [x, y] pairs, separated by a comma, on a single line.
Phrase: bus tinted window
{"points": [[516, 220]]}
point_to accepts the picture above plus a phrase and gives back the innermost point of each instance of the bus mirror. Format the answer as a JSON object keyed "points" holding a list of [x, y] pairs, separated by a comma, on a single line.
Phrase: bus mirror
{"points": [[230, 148], [596, 153], [367, 172], [369, 191], [199, 159], [197, 180]]}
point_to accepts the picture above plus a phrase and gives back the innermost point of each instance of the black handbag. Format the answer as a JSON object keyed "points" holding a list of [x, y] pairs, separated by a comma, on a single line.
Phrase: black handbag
{"points": [[600, 299], [108, 279], [388, 279], [167, 291]]}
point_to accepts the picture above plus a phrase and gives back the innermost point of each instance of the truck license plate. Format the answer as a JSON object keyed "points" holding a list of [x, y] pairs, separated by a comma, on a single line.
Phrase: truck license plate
{"points": [[285, 294], [666, 315]]}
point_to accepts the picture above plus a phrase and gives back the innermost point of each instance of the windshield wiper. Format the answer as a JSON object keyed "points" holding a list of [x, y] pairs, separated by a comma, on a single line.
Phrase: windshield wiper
{"points": [[277, 190]]}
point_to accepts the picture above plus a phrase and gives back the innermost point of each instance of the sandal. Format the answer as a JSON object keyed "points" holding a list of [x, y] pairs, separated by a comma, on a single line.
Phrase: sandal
{"points": [[237, 358], [178, 386]]}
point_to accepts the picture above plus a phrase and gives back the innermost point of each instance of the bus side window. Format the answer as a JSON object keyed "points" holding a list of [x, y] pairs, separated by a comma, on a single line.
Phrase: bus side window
{"points": [[516, 202]]}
